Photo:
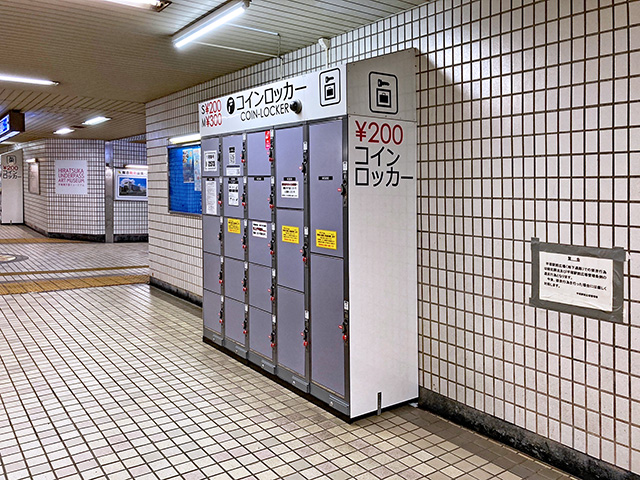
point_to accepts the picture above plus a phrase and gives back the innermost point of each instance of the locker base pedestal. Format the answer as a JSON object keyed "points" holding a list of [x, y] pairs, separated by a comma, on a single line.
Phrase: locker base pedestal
{"points": [[260, 361], [293, 379], [209, 336], [330, 399]]}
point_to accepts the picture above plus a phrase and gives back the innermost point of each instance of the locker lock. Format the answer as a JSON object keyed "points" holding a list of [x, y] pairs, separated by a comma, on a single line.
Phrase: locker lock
{"points": [[244, 242], [244, 326], [220, 234], [344, 328], [244, 199], [272, 339], [220, 198], [305, 340], [271, 201], [342, 189], [221, 315], [244, 156], [244, 284], [303, 251], [271, 154], [220, 277], [271, 246]]}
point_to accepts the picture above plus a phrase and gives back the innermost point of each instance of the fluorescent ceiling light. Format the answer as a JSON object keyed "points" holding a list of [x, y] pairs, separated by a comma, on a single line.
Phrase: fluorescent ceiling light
{"points": [[156, 5], [96, 120], [33, 81], [63, 131], [194, 137], [8, 135], [134, 166], [31, 160], [209, 22]]}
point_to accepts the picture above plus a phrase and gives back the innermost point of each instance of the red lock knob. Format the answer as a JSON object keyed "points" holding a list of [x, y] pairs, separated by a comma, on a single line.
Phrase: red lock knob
{"points": [[219, 202], [344, 337], [271, 206], [220, 321], [272, 298], [244, 204], [272, 252], [270, 159], [220, 281], [244, 289], [304, 259], [243, 160], [244, 246], [273, 345], [305, 343]]}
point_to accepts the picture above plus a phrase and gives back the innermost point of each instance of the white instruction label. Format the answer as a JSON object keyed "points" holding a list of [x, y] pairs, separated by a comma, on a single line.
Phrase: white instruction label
{"points": [[211, 161], [211, 197], [259, 229], [234, 192], [289, 188], [577, 280], [232, 155]]}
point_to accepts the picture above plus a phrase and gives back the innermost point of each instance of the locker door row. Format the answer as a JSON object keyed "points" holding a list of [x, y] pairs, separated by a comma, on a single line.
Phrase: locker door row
{"points": [[305, 246]]}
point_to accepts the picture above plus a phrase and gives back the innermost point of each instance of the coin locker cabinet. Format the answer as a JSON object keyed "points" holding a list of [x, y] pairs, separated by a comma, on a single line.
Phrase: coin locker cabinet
{"points": [[309, 232]]}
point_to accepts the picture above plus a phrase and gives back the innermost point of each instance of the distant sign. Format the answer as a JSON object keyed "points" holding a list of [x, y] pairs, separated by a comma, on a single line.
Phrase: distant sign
{"points": [[131, 184], [71, 177]]}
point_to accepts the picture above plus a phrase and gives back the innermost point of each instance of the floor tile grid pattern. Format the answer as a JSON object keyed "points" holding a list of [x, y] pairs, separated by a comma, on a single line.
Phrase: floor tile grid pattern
{"points": [[115, 383], [62, 256]]}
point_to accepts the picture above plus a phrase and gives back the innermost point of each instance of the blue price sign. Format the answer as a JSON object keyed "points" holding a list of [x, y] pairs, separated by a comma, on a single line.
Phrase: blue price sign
{"points": [[5, 124]]}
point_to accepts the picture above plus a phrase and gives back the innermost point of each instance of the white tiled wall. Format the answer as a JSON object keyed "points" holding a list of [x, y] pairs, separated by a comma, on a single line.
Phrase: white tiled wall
{"points": [[529, 126], [35, 205], [129, 216]]}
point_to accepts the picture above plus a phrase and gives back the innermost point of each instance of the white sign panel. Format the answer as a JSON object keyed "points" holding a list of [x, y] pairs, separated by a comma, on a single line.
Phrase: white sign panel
{"points": [[318, 95], [581, 281], [71, 177], [211, 197], [259, 229], [211, 161], [11, 199], [234, 192], [289, 188]]}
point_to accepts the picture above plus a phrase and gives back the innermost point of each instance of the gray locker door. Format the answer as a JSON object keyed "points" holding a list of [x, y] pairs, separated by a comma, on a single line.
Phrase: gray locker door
{"points": [[211, 305], [325, 178], [257, 155], [290, 264], [232, 156], [327, 314], [211, 272], [259, 332], [233, 277], [260, 237], [208, 145], [289, 177], [290, 324], [259, 286], [232, 239], [258, 192], [210, 232], [232, 197], [234, 320]]}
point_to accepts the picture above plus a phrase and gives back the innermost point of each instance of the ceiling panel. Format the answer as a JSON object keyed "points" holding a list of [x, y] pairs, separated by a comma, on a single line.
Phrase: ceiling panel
{"points": [[110, 59]]}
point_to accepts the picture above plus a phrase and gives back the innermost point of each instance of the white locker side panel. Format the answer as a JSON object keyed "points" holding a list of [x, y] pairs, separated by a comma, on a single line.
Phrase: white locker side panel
{"points": [[383, 272]]}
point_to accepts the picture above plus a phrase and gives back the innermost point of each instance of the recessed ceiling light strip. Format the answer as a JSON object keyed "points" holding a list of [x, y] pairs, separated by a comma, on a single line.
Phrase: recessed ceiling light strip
{"points": [[209, 22]]}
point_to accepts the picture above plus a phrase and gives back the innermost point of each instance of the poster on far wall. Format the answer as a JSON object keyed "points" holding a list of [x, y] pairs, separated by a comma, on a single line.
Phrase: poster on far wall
{"points": [[34, 178], [71, 177], [131, 184]]}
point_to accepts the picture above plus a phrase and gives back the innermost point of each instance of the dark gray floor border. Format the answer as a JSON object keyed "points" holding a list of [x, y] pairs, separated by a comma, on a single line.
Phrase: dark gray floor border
{"points": [[548, 451], [178, 292]]}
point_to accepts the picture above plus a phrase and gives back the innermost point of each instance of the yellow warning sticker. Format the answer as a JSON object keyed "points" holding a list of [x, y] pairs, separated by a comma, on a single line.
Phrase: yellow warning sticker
{"points": [[290, 234], [327, 239], [233, 225]]}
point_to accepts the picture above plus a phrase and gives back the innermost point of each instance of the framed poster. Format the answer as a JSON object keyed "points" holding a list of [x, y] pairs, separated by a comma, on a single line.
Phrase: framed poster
{"points": [[34, 178], [131, 184], [71, 177], [185, 163]]}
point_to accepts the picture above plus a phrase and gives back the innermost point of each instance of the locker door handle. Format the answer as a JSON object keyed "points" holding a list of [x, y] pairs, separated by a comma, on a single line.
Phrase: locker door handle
{"points": [[305, 341], [244, 327], [221, 315], [272, 339], [244, 200]]}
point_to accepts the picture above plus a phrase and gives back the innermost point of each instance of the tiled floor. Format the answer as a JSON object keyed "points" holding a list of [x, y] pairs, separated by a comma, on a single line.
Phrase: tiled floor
{"points": [[116, 383]]}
